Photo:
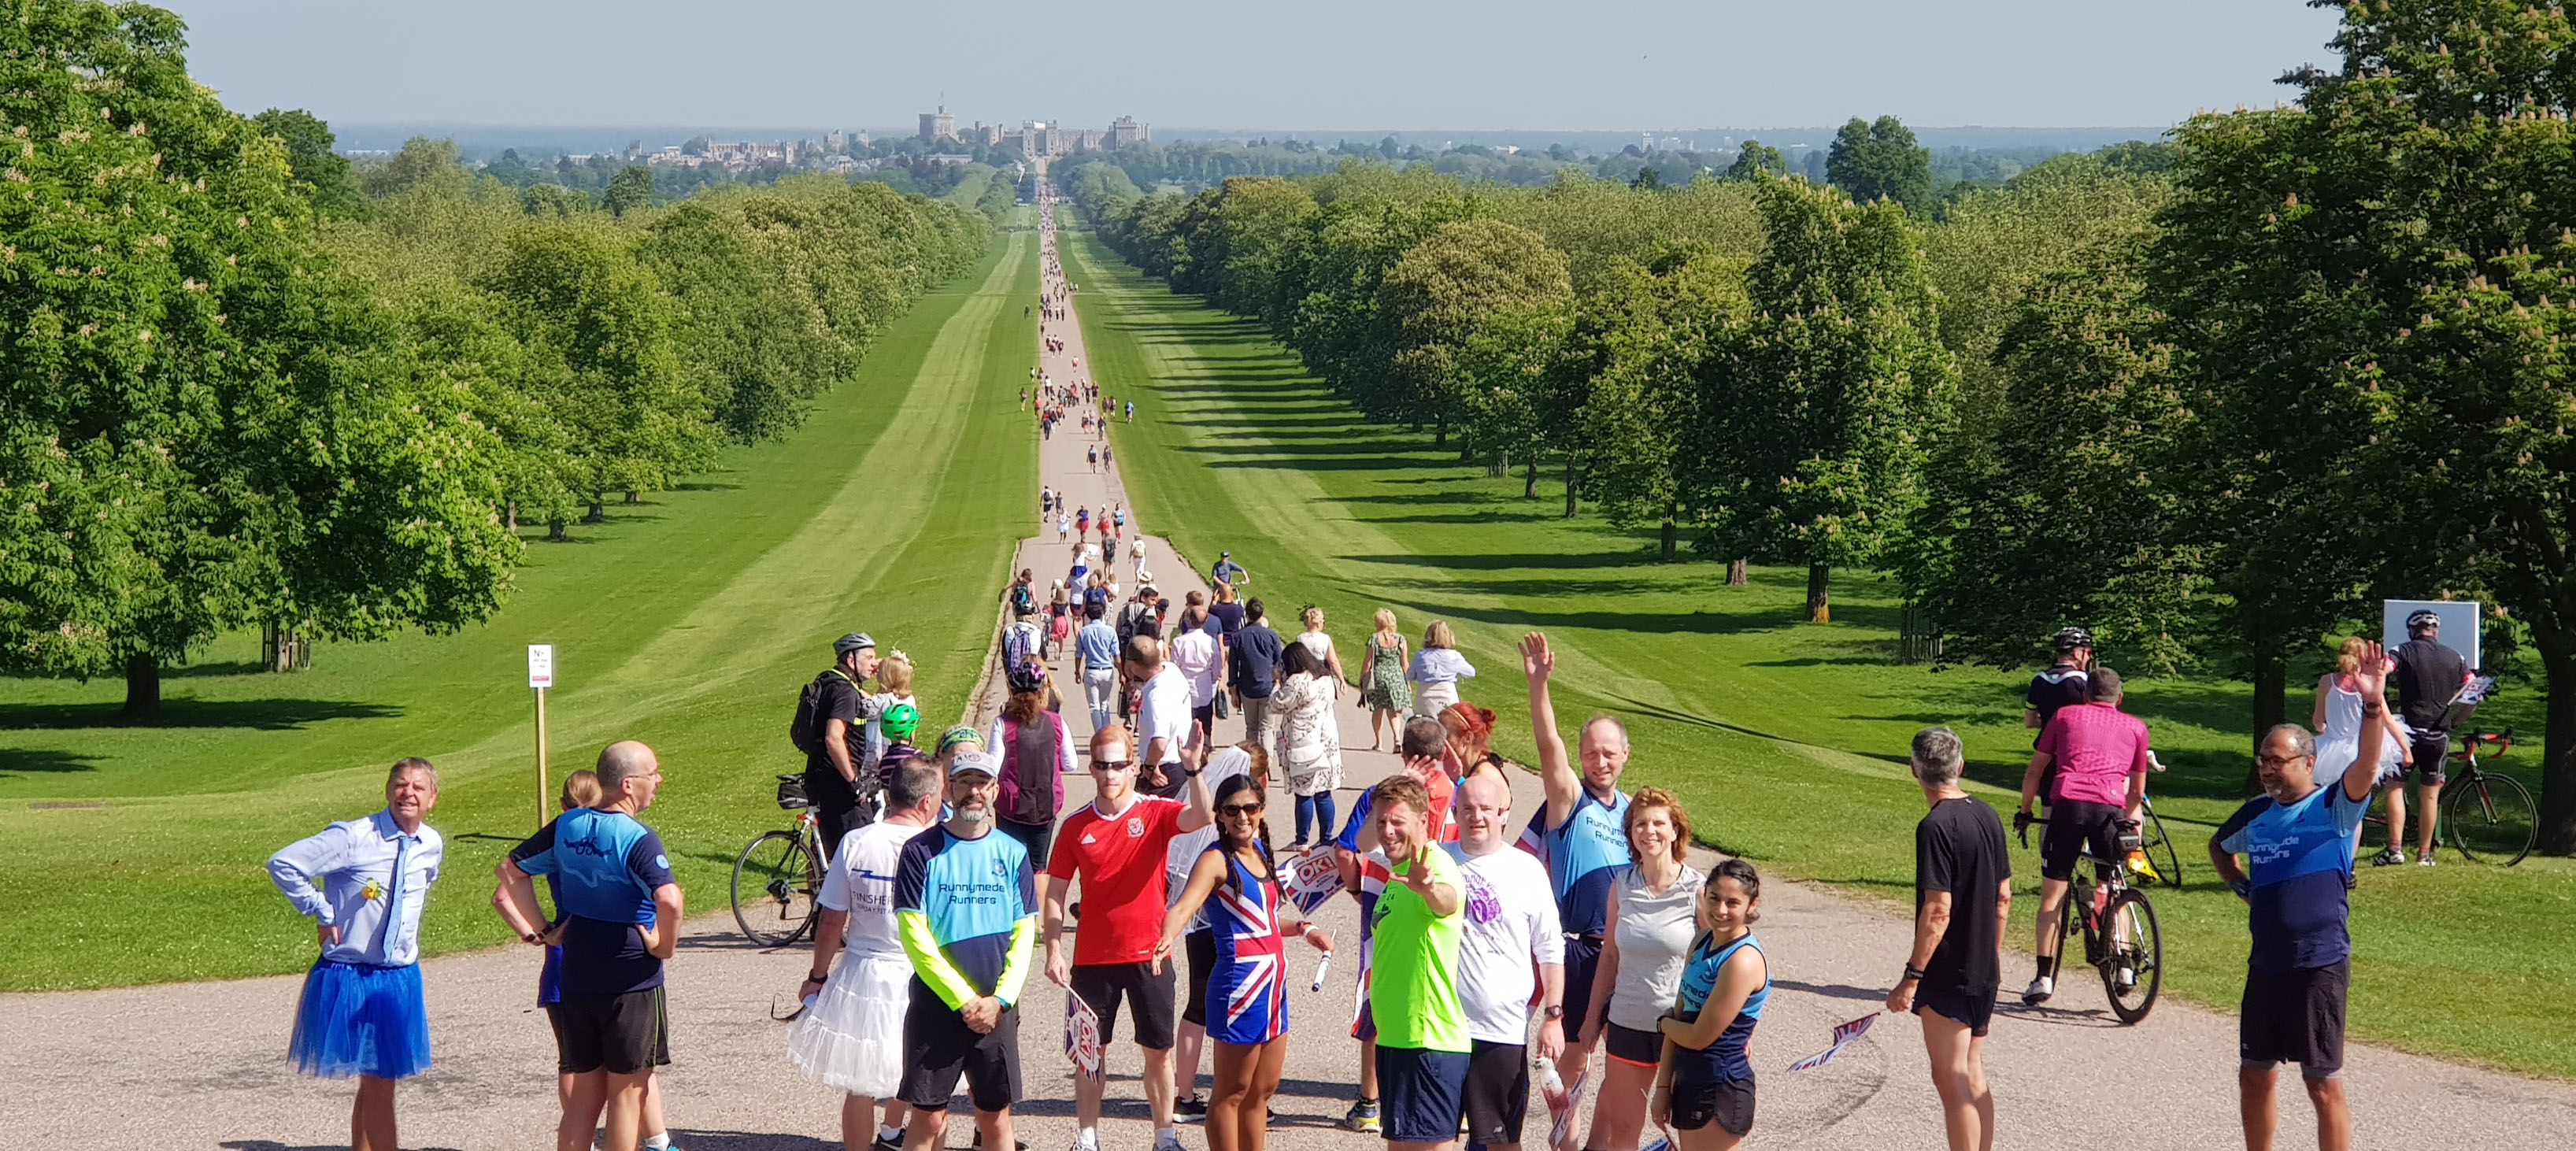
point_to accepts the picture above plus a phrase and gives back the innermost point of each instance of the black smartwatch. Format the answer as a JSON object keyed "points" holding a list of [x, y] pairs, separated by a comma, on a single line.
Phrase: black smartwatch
{"points": [[1553, 1011], [1914, 973]]}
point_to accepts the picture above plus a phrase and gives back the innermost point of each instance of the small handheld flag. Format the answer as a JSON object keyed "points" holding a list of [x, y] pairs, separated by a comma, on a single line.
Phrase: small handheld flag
{"points": [[1844, 1035]]}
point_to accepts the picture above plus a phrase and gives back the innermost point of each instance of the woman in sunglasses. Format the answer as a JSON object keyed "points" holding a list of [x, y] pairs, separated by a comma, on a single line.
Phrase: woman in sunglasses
{"points": [[1248, 988]]}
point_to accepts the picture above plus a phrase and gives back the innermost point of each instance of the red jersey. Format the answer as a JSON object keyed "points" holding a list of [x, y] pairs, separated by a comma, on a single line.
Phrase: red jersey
{"points": [[1120, 860]]}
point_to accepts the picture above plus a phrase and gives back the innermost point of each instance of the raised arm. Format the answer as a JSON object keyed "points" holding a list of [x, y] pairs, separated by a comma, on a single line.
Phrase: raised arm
{"points": [[1201, 811], [1555, 774], [2371, 680]]}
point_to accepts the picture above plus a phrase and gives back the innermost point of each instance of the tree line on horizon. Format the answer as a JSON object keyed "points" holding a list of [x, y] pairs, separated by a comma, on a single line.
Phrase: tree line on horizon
{"points": [[249, 384], [2213, 398]]}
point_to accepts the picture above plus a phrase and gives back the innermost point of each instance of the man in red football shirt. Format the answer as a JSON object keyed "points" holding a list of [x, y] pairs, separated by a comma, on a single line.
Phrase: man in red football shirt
{"points": [[1117, 844]]}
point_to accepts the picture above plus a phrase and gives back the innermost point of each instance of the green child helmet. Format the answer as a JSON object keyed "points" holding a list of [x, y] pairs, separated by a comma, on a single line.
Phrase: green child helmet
{"points": [[899, 721]]}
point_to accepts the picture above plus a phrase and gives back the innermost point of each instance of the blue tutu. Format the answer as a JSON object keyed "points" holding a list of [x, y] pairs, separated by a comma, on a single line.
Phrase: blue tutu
{"points": [[360, 1020]]}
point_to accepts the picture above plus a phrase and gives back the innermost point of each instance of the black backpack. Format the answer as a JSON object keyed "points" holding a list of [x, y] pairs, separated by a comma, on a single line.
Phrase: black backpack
{"points": [[806, 730], [1022, 602]]}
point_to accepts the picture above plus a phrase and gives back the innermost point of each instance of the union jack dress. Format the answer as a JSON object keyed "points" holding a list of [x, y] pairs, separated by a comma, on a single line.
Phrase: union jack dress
{"points": [[1250, 983]]}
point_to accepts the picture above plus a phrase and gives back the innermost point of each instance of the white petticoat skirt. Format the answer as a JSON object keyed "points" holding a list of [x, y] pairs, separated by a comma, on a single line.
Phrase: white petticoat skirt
{"points": [[851, 1040]]}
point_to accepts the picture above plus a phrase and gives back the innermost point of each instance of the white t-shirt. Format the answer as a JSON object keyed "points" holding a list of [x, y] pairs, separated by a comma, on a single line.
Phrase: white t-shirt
{"points": [[861, 882], [1511, 923], [1165, 713]]}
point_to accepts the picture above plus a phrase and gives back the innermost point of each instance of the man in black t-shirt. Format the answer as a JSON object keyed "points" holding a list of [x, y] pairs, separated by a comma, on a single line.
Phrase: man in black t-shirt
{"points": [[836, 776], [1962, 896], [2428, 677]]}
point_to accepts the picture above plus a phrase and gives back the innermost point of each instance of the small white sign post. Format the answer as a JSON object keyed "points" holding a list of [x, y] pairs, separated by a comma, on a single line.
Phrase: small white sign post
{"points": [[541, 675]]}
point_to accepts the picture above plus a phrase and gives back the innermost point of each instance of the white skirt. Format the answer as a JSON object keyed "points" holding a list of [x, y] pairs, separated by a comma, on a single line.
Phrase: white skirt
{"points": [[851, 1040]]}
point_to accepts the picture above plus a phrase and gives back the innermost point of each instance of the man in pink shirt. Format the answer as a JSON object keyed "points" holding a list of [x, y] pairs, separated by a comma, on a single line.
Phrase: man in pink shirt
{"points": [[2100, 754]]}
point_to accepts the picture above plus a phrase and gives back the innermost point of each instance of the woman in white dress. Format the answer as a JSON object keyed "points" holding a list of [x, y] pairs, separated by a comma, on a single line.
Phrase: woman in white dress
{"points": [[1320, 643], [1309, 740], [2338, 717]]}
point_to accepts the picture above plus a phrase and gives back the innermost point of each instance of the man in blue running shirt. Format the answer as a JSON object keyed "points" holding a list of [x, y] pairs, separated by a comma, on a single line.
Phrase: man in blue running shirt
{"points": [[1580, 834], [621, 920], [966, 910], [2298, 840]]}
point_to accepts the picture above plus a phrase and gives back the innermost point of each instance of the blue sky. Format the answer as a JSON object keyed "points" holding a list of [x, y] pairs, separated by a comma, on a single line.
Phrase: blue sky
{"points": [[1316, 64]]}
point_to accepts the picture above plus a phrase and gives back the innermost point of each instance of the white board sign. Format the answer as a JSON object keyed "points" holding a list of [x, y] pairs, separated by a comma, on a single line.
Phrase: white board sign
{"points": [[2459, 623], [541, 665]]}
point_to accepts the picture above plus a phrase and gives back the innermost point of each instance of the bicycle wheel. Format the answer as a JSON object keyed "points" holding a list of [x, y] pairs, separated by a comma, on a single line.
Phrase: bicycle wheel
{"points": [[773, 889], [2160, 850], [2134, 944], [2491, 819]]}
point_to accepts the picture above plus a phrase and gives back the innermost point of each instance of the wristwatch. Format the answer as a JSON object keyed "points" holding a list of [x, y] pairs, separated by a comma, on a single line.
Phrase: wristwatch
{"points": [[1914, 973], [1553, 1011], [815, 978], [531, 936]]}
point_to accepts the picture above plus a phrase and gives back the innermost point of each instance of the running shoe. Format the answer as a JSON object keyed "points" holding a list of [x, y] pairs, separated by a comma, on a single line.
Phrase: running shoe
{"points": [[881, 1143], [1086, 1141], [1191, 1107], [2424, 860], [2384, 858], [2038, 991], [1362, 1117], [1168, 1141]]}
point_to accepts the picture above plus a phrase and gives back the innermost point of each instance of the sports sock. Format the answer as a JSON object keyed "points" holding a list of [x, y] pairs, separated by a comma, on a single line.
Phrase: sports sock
{"points": [[894, 1134], [661, 1142], [2043, 968]]}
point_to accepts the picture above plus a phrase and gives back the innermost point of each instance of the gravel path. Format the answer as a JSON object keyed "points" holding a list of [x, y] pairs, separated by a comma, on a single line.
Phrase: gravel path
{"points": [[201, 1065]]}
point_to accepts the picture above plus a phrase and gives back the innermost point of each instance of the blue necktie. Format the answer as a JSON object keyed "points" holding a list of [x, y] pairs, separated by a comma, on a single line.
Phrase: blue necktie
{"points": [[393, 901]]}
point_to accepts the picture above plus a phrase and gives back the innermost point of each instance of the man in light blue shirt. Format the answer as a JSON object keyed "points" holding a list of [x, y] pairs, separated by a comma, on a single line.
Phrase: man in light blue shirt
{"points": [[1097, 645], [362, 1013]]}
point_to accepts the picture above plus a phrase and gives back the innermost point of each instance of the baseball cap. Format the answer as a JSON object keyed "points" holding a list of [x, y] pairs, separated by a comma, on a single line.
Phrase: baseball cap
{"points": [[854, 641], [957, 735], [976, 762]]}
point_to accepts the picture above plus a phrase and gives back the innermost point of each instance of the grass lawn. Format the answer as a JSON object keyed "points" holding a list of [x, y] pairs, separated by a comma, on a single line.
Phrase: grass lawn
{"points": [[1786, 739], [132, 854]]}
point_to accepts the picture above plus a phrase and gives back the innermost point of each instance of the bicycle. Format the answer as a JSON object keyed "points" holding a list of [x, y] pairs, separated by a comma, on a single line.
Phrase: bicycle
{"points": [[780, 871], [2121, 937], [2487, 818], [2163, 863]]}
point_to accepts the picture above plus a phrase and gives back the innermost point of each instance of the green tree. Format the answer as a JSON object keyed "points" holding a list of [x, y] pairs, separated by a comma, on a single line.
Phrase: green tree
{"points": [[1757, 161], [320, 173], [422, 162], [1881, 159], [1832, 389], [631, 188], [1641, 341], [1472, 279], [205, 424]]}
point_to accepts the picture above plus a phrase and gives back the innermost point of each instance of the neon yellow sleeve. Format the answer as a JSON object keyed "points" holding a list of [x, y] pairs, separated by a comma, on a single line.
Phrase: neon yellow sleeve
{"points": [[1015, 970], [931, 963]]}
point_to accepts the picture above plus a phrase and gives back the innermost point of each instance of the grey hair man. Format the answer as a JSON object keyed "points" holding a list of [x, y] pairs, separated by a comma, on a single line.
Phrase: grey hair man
{"points": [[1962, 896]]}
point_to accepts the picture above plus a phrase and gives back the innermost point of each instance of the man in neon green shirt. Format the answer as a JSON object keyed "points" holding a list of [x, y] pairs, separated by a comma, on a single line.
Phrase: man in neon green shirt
{"points": [[966, 909], [1422, 1045]]}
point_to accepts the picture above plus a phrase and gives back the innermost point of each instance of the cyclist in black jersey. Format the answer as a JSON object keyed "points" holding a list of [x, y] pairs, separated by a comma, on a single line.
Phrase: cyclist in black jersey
{"points": [[2064, 684]]}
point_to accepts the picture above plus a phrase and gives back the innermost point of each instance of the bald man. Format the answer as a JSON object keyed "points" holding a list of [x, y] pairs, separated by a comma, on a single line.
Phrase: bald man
{"points": [[1512, 947], [621, 919]]}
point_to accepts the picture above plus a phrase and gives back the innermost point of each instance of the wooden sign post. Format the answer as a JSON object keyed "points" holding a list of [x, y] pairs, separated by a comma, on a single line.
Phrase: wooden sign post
{"points": [[541, 675]]}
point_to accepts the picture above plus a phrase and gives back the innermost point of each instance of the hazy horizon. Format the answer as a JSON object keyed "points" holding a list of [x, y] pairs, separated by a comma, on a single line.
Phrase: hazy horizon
{"points": [[1509, 65]]}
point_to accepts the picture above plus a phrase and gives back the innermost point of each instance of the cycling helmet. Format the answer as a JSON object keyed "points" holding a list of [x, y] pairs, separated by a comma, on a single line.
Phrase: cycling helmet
{"points": [[855, 641], [2421, 618], [899, 721], [2070, 638], [1028, 677]]}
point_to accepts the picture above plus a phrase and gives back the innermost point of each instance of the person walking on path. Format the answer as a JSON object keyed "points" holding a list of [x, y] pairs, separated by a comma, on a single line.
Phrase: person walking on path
{"points": [[2096, 758], [1511, 957], [1117, 846], [1706, 1082], [1320, 642], [1962, 900], [835, 713], [622, 914], [1580, 833], [1385, 691], [2298, 839], [1162, 716], [1249, 924], [1423, 1050], [965, 906], [1309, 746], [1436, 670], [1097, 645], [361, 1012], [1255, 670], [1652, 922], [1036, 755], [1193, 649], [851, 1039]]}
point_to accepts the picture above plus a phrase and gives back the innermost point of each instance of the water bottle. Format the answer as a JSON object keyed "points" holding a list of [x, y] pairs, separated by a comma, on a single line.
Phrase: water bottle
{"points": [[1551, 1085]]}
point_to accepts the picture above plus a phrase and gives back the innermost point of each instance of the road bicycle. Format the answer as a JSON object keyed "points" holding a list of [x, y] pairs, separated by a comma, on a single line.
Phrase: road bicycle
{"points": [[2487, 818], [2121, 938], [2164, 865], [778, 872]]}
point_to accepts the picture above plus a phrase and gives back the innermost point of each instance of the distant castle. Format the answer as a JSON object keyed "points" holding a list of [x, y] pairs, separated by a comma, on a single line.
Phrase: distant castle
{"points": [[1036, 138]]}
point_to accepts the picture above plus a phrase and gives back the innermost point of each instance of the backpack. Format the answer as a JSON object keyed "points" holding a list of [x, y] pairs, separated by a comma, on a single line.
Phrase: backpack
{"points": [[1029, 759], [1022, 602], [806, 730], [1096, 595]]}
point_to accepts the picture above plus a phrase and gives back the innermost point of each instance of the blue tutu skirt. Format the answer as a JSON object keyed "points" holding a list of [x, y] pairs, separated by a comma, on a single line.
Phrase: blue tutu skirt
{"points": [[360, 1020]]}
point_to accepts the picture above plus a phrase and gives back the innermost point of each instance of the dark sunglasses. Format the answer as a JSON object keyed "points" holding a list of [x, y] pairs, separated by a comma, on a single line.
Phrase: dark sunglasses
{"points": [[1240, 809], [1112, 764]]}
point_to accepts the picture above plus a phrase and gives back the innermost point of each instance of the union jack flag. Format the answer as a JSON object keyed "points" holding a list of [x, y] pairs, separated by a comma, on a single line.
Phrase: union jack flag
{"points": [[1256, 1010]]}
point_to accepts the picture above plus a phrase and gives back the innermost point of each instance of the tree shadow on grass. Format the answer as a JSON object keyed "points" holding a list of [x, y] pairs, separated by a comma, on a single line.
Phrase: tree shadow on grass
{"points": [[50, 760], [204, 670], [1503, 561], [256, 714]]}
